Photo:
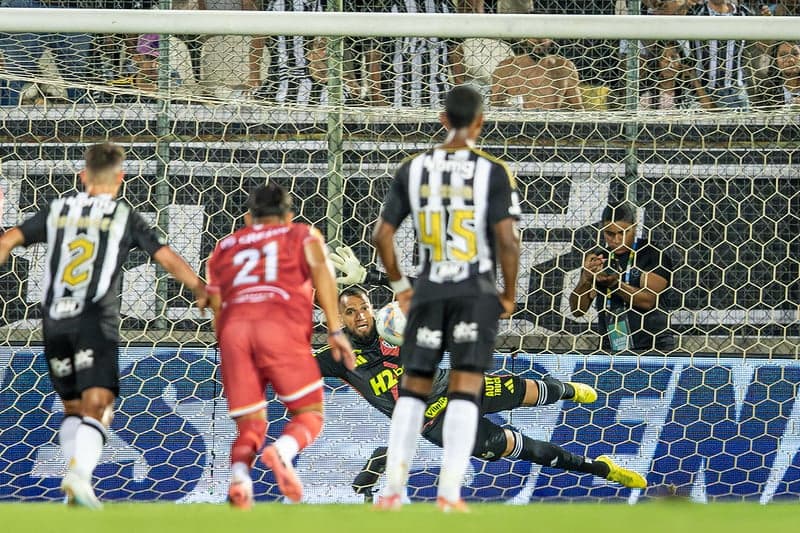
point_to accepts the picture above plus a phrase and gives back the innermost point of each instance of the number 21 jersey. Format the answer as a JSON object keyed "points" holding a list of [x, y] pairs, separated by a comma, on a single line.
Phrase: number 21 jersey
{"points": [[263, 268]]}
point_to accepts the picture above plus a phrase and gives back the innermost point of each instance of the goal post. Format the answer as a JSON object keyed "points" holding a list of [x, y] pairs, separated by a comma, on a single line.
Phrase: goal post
{"points": [[585, 110]]}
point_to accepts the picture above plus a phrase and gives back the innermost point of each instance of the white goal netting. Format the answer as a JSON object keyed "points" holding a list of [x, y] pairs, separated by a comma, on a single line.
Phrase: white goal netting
{"points": [[700, 134]]}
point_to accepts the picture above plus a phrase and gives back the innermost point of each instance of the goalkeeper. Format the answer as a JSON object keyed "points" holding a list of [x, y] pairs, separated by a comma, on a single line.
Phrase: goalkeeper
{"points": [[377, 373]]}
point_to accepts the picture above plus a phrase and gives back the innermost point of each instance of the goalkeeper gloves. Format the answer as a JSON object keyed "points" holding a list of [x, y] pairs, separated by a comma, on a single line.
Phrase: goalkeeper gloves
{"points": [[348, 264]]}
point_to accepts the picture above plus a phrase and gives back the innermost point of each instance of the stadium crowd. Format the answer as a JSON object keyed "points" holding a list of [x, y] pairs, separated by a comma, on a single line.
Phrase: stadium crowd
{"points": [[532, 74]]}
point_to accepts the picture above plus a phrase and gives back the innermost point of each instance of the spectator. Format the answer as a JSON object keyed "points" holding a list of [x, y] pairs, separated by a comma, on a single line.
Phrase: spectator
{"points": [[256, 49], [21, 52], [783, 83], [528, 82], [670, 72], [719, 63], [628, 282]]}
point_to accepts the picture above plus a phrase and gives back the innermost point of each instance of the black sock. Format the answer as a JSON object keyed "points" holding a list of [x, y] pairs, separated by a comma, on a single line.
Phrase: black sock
{"points": [[569, 392], [552, 390], [552, 455]]}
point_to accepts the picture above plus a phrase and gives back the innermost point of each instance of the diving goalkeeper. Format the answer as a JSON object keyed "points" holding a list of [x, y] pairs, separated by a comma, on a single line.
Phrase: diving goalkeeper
{"points": [[376, 378]]}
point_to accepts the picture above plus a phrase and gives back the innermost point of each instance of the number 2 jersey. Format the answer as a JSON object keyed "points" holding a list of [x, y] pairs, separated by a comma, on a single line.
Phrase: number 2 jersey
{"points": [[265, 265], [454, 197], [88, 240]]}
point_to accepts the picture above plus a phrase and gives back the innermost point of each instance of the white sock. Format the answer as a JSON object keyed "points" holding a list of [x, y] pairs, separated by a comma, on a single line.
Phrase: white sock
{"points": [[458, 438], [240, 473], [403, 434], [89, 440], [287, 448], [66, 436]]}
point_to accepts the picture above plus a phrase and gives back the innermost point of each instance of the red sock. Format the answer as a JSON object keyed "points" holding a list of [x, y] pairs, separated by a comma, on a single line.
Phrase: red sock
{"points": [[304, 428], [252, 432]]}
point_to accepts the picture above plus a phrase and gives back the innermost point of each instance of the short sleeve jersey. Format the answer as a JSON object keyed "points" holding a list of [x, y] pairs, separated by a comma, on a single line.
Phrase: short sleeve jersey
{"points": [[265, 265], [455, 197], [88, 240]]}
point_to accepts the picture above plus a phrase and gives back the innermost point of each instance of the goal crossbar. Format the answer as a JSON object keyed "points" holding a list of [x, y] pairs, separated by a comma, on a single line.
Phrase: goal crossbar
{"points": [[398, 24]]}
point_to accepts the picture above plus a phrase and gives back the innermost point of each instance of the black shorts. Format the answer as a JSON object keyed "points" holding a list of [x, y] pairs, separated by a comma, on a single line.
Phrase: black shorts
{"points": [[502, 393], [490, 439], [464, 326], [80, 355]]}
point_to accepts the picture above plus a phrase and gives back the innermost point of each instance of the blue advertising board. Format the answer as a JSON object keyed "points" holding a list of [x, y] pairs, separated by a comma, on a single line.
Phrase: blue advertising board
{"points": [[708, 429]]}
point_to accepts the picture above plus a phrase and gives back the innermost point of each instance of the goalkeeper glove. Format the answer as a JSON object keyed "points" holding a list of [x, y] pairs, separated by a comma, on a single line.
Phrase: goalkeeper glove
{"points": [[347, 263]]}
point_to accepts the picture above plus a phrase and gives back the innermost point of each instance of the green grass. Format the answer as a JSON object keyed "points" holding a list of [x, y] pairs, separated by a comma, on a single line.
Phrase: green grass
{"points": [[672, 517]]}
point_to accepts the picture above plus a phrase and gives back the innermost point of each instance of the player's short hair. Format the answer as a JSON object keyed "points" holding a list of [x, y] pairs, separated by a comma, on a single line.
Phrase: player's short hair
{"points": [[354, 290], [619, 212], [269, 200], [102, 158], [462, 106]]}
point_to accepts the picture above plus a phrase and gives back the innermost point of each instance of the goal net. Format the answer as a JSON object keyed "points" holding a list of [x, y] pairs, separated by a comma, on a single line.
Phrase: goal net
{"points": [[698, 131]]}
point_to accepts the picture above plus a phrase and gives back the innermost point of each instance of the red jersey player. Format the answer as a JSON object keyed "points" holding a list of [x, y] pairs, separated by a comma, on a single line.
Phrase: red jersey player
{"points": [[260, 287]]}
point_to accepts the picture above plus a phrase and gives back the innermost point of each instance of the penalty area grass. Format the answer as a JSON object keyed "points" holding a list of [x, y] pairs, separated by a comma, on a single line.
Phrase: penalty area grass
{"points": [[651, 517]]}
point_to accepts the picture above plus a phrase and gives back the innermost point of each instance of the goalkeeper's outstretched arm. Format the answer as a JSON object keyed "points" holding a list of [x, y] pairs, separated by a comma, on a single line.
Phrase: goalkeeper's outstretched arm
{"points": [[352, 272]]}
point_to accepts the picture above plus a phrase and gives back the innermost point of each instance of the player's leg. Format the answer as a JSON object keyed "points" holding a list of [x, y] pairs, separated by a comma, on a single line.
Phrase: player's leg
{"points": [[515, 445], [470, 334], [97, 378], [244, 390], [504, 392], [58, 349], [420, 354], [297, 381]]}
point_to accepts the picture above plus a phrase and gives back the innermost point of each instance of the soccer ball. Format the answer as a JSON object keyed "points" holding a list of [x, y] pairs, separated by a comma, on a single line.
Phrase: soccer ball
{"points": [[390, 323]]}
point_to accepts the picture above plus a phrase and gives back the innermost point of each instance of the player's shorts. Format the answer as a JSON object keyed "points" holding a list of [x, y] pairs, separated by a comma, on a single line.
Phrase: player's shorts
{"points": [[464, 326], [502, 393], [490, 439], [256, 353], [81, 354]]}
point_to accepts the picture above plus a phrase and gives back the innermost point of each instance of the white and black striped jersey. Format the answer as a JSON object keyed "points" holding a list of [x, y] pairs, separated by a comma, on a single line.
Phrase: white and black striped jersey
{"points": [[88, 239], [455, 198]]}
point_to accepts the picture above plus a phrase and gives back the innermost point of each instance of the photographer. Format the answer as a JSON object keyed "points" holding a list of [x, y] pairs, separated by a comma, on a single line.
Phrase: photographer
{"points": [[628, 282]]}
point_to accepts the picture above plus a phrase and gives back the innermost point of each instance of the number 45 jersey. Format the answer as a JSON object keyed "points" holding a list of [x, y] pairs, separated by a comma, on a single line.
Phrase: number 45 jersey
{"points": [[263, 269], [454, 198]]}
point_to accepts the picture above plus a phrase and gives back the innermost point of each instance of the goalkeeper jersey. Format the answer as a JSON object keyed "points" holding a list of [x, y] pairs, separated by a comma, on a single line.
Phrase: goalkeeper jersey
{"points": [[377, 373]]}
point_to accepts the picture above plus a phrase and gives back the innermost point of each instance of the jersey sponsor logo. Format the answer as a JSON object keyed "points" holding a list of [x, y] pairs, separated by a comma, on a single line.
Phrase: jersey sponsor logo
{"points": [[463, 169], [436, 407], [65, 308], [465, 332], [101, 224], [446, 191], [429, 338], [360, 359], [449, 271], [385, 380], [492, 386], [84, 359], [61, 367]]}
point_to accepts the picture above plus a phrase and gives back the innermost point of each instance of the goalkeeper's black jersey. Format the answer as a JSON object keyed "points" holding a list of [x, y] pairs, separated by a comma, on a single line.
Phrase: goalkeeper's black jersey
{"points": [[377, 373]]}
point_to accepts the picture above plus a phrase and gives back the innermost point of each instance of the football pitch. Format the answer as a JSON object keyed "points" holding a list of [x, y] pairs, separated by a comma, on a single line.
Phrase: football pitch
{"points": [[677, 517]]}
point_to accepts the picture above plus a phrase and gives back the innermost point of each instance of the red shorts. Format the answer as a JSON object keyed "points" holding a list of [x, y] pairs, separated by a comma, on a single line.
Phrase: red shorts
{"points": [[258, 352]]}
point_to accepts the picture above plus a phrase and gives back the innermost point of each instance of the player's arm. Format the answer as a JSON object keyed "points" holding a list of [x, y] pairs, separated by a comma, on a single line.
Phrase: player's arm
{"points": [[148, 240], [503, 213], [10, 240], [327, 366], [395, 209], [325, 284], [29, 232], [213, 291]]}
